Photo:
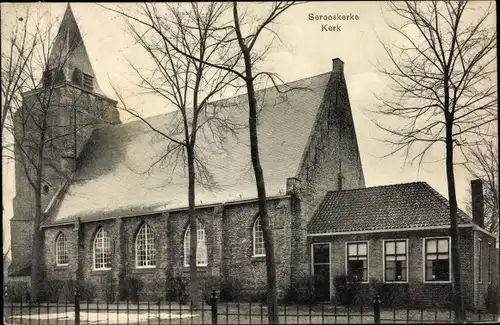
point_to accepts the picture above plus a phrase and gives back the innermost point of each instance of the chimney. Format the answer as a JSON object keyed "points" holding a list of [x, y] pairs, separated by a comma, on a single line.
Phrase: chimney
{"points": [[338, 65], [477, 202], [67, 163]]}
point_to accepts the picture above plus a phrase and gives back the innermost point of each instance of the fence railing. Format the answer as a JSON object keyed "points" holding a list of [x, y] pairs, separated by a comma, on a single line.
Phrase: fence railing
{"points": [[82, 312]]}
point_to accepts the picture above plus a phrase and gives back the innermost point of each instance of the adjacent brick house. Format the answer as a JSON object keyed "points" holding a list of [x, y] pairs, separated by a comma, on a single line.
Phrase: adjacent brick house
{"points": [[399, 235], [115, 215]]}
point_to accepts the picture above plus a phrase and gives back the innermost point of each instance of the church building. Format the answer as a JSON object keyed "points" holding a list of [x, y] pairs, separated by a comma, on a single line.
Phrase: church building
{"points": [[116, 213]]}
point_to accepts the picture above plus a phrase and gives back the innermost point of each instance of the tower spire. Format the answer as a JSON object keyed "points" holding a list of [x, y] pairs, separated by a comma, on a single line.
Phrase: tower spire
{"points": [[68, 51]]}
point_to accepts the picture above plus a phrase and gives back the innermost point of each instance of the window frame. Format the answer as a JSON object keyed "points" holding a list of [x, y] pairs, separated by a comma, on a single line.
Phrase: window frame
{"points": [[329, 263], [101, 229], [148, 233], [188, 232], [253, 238], [480, 263], [59, 236], [384, 259], [490, 274], [424, 260], [346, 257]]}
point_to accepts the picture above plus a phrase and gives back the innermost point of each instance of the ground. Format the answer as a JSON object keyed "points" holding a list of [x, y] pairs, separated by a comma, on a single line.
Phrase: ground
{"points": [[231, 313]]}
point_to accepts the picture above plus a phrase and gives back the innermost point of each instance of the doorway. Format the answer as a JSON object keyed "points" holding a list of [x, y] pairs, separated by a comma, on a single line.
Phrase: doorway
{"points": [[321, 271]]}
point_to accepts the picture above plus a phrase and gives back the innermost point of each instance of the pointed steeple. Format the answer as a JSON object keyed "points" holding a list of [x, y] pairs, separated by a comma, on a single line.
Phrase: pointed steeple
{"points": [[68, 55]]}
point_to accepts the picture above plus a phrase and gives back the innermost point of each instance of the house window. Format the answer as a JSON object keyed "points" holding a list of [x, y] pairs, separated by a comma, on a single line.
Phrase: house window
{"points": [[145, 248], [61, 250], [490, 275], [480, 263], [258, 239], [102, 250], [395, 255], [437, 259], [201, 245], [357, 261]]}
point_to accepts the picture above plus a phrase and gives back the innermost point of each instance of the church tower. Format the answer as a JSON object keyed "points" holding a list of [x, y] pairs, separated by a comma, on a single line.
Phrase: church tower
{"points": [[54, 124]]}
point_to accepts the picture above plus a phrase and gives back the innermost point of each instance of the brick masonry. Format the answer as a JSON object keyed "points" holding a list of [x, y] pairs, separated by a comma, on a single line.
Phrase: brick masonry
{"points": [[229, 238], [91, 110], [331, 161], [419, 292]]}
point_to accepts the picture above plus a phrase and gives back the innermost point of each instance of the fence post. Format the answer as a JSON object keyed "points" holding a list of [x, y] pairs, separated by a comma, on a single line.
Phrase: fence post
{"points": [[376, 308], [213, 302], [77, 306]]}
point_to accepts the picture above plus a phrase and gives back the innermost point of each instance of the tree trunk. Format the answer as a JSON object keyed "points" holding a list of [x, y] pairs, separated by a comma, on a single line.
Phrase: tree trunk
{"points": [[37, 251], [193, 272], [272, 301], [455, 249]]}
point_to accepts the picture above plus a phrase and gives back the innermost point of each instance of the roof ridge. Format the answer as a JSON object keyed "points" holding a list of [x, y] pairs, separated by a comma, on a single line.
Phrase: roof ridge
{"points": [[238, 96], [273, 86], [377, 186]]}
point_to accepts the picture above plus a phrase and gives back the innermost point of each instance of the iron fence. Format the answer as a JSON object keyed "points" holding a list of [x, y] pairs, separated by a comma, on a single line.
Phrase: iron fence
{"points": [[82, 312]]}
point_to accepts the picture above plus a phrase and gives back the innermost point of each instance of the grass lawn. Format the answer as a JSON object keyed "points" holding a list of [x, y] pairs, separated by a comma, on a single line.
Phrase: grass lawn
{"points": [[231, 313]]}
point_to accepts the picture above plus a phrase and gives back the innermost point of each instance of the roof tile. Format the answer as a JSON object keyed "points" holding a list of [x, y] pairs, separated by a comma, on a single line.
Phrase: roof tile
{"points": [[408, 205]]}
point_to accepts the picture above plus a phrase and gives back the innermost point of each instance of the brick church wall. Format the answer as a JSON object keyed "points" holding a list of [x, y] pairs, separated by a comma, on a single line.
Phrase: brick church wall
{"points": [[229, 238]]}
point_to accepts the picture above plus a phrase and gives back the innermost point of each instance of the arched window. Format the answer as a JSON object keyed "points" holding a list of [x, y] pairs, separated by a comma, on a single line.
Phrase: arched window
{"points": [[201, 247], [258, 239], [145, 248], [61, 250], [102, 250]]}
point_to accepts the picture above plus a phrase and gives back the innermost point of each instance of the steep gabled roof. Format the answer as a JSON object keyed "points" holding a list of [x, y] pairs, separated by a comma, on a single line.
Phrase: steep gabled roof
{"points": [[115, 179], [409, 205], [68, 50]]}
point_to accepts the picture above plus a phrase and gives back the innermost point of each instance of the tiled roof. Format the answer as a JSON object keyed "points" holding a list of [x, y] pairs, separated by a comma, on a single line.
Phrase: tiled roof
{"points": [[113, 177], [409, 205]]}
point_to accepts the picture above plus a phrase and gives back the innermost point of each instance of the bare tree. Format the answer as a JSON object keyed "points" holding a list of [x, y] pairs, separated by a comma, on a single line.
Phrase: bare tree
{"points": [[483, 164], [40, 134], [441, 89], [17, 51], [242, 35], [188, 85]]}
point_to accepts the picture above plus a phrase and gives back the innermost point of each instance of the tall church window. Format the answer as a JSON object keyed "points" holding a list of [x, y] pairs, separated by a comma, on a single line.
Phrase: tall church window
{"points": [[102, 250], [61, 250], [201, 245], [258, 239], [145, 252]]}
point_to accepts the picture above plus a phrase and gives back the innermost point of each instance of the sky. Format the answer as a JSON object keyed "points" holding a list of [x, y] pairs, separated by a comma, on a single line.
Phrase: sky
{"points": [[305, 50]]}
